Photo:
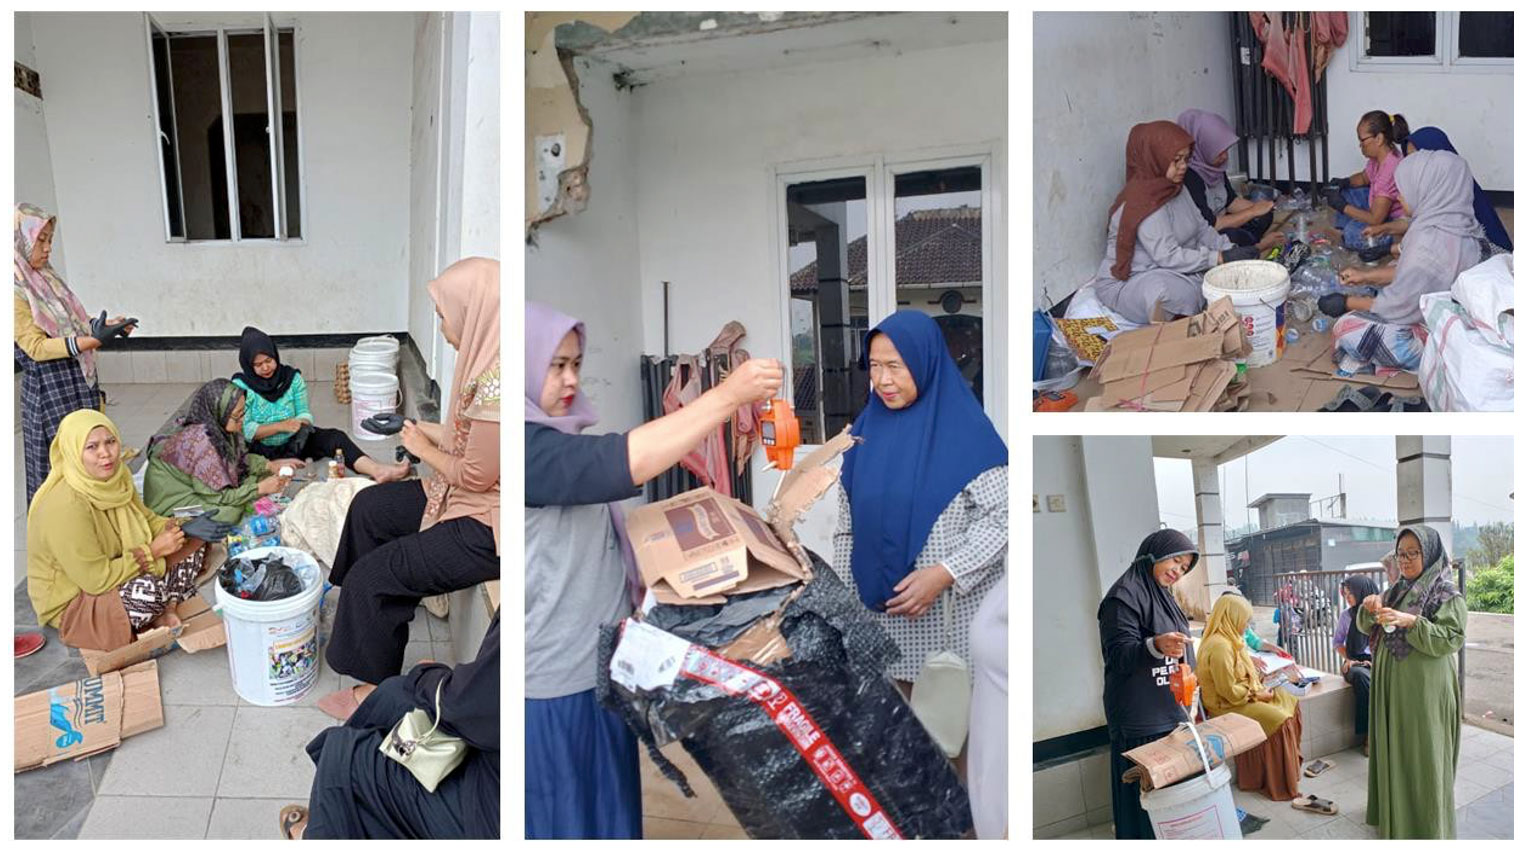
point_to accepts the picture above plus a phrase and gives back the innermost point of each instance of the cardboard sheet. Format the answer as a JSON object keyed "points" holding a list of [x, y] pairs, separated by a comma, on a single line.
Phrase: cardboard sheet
{"points": [[1174, 758], [1187, 364], [199, 629], [75, 720]]}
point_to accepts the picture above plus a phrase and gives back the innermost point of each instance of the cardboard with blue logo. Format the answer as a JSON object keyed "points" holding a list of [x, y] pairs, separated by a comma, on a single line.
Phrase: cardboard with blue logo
{"points": [[75, 720], [1172, 759]]}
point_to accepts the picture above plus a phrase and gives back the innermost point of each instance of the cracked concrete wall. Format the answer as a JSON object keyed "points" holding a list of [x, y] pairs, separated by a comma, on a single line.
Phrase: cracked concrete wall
{"points": [[551, 108]]}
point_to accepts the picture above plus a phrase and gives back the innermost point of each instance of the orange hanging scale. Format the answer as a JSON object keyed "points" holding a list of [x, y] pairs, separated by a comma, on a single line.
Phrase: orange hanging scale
{"points": [[780, 433]]}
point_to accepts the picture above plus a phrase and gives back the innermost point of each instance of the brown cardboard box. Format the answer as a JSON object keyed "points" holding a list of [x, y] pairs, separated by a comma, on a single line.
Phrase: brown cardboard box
{"points": [[199, 629], [1186, 364], [1322, 366], [76, 720], [1174, 758], [699, 546]]}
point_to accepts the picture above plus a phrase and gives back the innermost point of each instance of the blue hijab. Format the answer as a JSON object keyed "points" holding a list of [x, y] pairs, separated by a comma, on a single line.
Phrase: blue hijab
{"points": [[1434, 139], [911, 463]]}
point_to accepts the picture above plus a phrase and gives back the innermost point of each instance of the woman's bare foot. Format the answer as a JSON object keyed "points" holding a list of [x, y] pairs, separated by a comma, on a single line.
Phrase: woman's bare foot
{"points": [[392, 472], [165, 619]]}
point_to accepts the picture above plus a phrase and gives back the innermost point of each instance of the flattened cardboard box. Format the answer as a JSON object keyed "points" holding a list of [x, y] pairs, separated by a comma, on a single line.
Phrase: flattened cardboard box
{"points": [[75, 720], [1172, 759], [1181, 365], [699, 546], [199, 629]]}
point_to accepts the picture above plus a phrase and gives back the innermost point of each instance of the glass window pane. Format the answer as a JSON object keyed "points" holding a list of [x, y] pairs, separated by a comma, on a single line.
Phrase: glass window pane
{"points": [[1486, 34], [292, 164], [1400, 34], [197, 93], [165, 101], [251, 137], [828, 287], [939, 259]]}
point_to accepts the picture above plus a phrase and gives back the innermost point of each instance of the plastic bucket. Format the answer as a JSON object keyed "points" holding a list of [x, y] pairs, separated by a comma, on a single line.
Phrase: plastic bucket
{"points": [[371, 394], [380, 353], [273, 645], [1199, 809], [1258, 289]]}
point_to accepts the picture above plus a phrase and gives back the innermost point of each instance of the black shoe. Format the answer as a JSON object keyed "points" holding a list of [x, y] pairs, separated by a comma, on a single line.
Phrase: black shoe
{"points": [[1371, 255]]}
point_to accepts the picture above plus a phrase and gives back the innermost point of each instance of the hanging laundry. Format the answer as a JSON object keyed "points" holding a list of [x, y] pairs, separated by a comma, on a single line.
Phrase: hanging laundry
{"points": [[1286, 61], [1329, 31], [707, 461], [744, 426]]}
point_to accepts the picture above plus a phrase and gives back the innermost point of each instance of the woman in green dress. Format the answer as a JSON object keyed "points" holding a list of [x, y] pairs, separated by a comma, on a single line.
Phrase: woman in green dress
{"points": [[1417, 626]]}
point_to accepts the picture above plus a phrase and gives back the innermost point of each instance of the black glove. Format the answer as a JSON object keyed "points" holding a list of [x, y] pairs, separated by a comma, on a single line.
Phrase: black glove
{"points": [[1339, 183], [1333, 304], [1334, 197], [1240, 253], [1376, 252], [386, 423], [105, 333], [207, 528]]}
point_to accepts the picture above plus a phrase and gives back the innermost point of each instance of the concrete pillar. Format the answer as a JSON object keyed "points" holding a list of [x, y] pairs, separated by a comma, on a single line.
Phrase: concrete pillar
{"points": [[1214, 561], [1423, 485]]}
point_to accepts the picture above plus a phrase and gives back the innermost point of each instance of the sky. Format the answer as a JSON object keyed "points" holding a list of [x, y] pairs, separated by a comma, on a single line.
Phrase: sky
{"points": [[1481, 478]]}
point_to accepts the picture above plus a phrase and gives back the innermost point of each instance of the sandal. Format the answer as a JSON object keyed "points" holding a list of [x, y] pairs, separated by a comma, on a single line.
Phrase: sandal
{"points": [[1315, 805], [293, 817], [1316, 768], [28, 644], [340, 705]]}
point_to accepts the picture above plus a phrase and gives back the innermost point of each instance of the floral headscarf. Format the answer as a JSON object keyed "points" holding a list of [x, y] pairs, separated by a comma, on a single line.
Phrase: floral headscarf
{"points": [[55, 308]]}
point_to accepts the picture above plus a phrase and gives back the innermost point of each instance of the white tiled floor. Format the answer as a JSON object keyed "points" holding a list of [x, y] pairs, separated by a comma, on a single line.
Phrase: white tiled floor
{"points": [[220, 767]]}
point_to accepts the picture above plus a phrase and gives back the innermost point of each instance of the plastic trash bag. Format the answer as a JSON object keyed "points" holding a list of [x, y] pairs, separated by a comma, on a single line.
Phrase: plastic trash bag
{"points": [[266, 578]]}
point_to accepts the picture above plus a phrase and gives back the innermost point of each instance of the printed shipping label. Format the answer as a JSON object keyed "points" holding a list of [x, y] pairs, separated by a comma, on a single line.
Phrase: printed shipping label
{"points": [[647, 657]]}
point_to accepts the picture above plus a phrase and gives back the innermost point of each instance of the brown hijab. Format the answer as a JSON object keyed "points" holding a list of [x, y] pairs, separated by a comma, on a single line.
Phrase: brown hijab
{"points": [[1150, 148]]}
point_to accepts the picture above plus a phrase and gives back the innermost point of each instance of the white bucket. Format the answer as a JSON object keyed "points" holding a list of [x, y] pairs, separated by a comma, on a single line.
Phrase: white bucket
{"points": [[380, 353], [273, 645], [1199, 809], [1258, 289], [371, 394]]}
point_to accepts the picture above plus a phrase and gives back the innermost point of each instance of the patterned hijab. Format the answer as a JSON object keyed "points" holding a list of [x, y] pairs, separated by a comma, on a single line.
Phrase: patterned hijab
{"points": [[55, 308], [115, 497], [196, 440], [1151, 147], [1421, 597], [468, 299]]}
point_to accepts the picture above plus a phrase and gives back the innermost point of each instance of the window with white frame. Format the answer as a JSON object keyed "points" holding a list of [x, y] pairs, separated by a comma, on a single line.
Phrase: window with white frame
{"points": [[1437, 41], [229, 171], [861, 243]]}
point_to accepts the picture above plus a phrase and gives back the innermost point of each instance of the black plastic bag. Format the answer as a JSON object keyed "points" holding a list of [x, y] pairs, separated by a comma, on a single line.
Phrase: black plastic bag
{"points": [[818, 745], [267, 578]]}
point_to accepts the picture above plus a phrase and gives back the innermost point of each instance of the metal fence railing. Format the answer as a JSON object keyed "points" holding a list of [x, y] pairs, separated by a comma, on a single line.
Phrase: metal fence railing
{"points": [[1309, 604]]}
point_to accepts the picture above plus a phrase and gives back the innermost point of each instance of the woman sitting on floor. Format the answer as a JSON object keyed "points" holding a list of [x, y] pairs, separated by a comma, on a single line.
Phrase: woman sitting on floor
{"points": [[1434, 139], [276, 420], [1370, 196], [1157, 244], [1243, 221], [201, 460], [100, 567]]}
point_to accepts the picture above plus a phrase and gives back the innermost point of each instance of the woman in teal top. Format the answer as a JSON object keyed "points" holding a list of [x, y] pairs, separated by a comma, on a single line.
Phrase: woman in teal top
{"points": [[277, 423]]}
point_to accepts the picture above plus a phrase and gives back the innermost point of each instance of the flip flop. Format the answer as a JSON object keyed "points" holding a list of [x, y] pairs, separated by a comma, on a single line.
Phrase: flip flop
{"points": [[1316, 768], [292, 816], [340, 705], [28, 644], [1315, 805]]}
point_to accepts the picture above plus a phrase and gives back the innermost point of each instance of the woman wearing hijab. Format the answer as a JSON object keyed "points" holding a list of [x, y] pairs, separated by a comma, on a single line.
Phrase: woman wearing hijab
{"points": [[1230, 683], [581, 763], [1416, 627], [101, 567], [1242, 221], [922, 526], [405, 541], [1354, 648], [1443, 239], [1434, 139], [200, 459], [277, 423], [1144, 638], [1157, 245]]}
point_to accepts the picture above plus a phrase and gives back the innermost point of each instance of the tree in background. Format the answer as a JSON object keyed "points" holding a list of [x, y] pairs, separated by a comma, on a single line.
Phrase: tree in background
{"points": [[1491, 589], [1493, 542]]}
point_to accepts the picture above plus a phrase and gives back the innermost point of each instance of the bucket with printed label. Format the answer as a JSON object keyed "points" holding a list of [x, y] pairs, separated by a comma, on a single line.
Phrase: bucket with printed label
{"points": [[1258, 289], [1198, 809], [371, 394], [273, 645]]}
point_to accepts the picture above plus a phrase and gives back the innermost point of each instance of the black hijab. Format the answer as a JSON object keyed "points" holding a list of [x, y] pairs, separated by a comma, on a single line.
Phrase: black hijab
{"points": [[256, 342], [1357, 645], [1138, 589]]}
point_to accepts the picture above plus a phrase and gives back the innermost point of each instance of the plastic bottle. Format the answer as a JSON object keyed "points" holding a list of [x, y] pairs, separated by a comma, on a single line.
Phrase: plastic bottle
{"points": [[336, 467]]}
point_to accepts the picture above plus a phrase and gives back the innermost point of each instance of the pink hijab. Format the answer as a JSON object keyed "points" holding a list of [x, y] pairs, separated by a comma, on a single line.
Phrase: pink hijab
{"points": [[1213, 135]]}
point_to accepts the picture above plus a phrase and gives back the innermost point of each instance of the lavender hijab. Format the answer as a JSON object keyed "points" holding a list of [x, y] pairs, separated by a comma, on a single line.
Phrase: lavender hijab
{"points": [[544, 329], [1213, 135]]}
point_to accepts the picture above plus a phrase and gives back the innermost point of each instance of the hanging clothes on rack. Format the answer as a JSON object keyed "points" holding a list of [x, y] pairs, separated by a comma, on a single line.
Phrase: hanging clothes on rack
{"points": [[1329, 31], [726, 350], [1286, 61], [707, 461]]}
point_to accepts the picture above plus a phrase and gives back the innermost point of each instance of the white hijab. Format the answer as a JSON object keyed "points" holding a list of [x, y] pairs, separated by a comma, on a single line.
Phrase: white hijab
{"points": [[1444, 238]]}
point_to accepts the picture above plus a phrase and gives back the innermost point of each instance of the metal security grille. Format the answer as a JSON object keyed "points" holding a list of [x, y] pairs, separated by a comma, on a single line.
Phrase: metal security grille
{"points": [[1309, 603]]}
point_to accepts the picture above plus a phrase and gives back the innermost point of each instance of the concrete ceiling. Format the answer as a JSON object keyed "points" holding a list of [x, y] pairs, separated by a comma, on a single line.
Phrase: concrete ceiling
{"points": [[658, 46], [1219, 448]]}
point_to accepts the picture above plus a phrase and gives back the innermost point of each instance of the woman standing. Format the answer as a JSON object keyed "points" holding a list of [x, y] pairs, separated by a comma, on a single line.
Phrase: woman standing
{"points": [[1242, 221], [1144, 638], [581, 763], [922, 524], [1417, 628], [1354, 647]]}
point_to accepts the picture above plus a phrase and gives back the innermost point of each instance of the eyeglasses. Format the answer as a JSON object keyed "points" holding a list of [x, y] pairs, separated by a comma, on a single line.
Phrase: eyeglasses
{"points": [[1364, 139], [1410, 555]]}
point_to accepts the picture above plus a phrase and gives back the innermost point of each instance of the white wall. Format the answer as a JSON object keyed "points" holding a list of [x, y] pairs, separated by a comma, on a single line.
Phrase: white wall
{"points": [[425, 203], [587, 265], [1095, 76], [1110, 504], [350, 274], [1474, 108], [33, 162]]}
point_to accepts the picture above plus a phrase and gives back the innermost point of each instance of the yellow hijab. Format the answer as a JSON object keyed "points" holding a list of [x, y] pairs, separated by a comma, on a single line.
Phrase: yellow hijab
{"points": [[115, 498], [1230, 616]]}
